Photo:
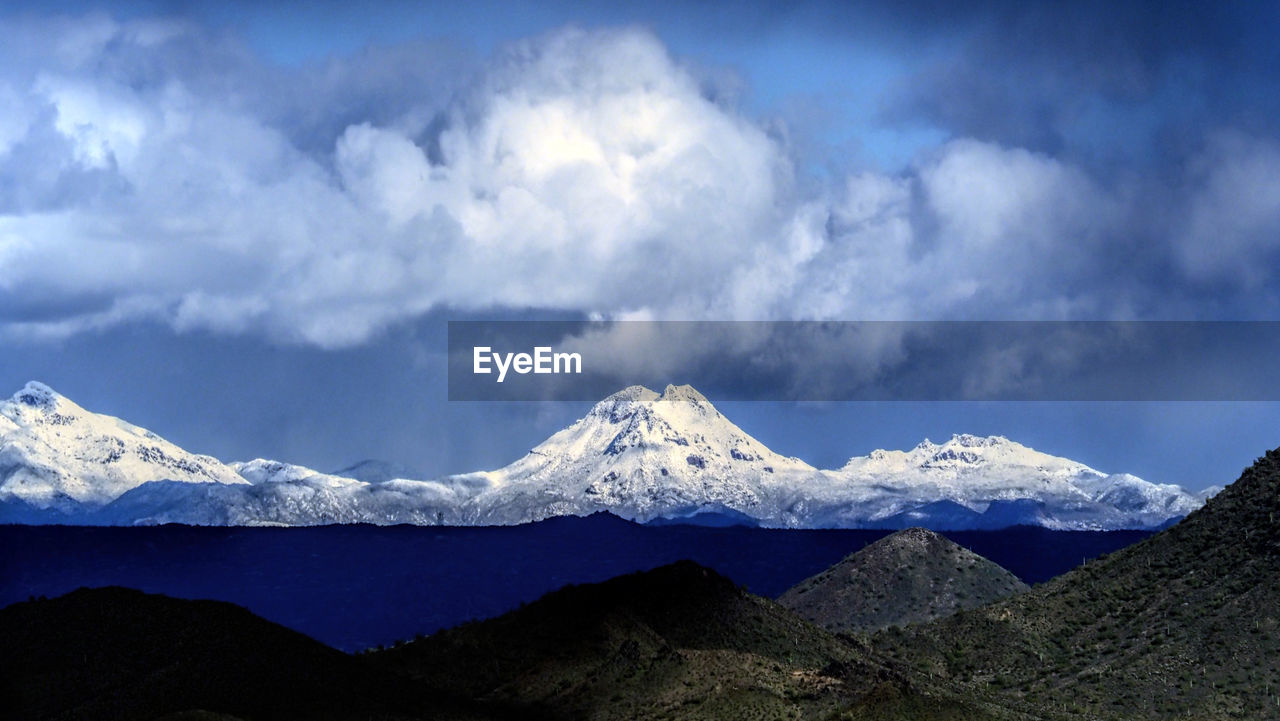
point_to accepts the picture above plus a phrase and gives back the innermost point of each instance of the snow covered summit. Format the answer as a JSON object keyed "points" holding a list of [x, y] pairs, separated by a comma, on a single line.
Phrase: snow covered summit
{"points": [[641, 455], [1008, 481], [55, 454]]}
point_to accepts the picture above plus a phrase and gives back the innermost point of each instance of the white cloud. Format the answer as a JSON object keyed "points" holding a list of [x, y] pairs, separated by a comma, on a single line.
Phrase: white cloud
{"points": [[590, 174], [976, 231], [147, 170]]}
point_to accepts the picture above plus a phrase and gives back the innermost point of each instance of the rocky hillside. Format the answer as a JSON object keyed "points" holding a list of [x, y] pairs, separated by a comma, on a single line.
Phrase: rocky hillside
{"points": [[1183, 624], [911, 576], [676, 642]]}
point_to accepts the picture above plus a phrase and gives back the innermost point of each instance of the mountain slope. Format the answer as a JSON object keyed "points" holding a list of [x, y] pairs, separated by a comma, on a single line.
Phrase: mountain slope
{"points": [[281, 494], [676, 642], [908, 577], [1185, 623], [115, 653], [55, 454]]}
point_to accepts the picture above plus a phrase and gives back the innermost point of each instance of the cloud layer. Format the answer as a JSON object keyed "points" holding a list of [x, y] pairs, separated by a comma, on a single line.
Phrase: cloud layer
{"points": [[155, 170]]}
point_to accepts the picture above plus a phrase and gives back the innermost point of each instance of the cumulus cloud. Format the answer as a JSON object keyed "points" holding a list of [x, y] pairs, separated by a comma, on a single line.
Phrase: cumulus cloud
{"points": [[586, 172], [975, 231], [150, 170]]}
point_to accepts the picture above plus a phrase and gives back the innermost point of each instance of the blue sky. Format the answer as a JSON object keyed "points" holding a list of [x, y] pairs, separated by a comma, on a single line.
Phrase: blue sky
{"points": [[243, 225]]}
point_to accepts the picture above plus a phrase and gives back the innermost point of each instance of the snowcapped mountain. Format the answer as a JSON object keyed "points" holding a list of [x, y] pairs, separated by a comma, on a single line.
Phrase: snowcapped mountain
{"points": [[1004, 480], [641, 455], [644, 456], [638, 454], [56, 455]]}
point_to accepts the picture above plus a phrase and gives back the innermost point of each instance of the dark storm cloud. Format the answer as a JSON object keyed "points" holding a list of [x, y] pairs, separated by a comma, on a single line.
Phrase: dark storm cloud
{"points": [[1104, 81]]}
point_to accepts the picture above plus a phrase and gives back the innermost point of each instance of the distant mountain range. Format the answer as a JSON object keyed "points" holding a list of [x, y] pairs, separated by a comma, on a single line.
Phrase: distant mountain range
{"points": [[639, 454]]}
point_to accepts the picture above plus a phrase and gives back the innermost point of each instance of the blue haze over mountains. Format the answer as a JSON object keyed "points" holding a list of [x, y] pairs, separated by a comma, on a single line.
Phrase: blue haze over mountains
{"points": [[355, 587]]}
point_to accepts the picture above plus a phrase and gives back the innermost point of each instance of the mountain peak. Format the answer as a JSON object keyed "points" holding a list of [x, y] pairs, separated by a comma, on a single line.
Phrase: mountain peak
{"points": [[641, 394], [37, 395], [914, 537], [642, 455], [630, 394], [621, 405], [910, 576], [682, 393], [968, 440], [57, 454]]}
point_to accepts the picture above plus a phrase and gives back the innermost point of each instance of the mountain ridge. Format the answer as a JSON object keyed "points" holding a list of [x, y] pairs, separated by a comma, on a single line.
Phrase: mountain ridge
{"points": [[638, 453], [677, 641]]}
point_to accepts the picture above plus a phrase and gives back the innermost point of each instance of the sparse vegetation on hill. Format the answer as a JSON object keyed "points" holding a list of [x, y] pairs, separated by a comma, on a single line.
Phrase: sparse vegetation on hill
{"points": [[909, 577], [1185, 624], [679, 641]]}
